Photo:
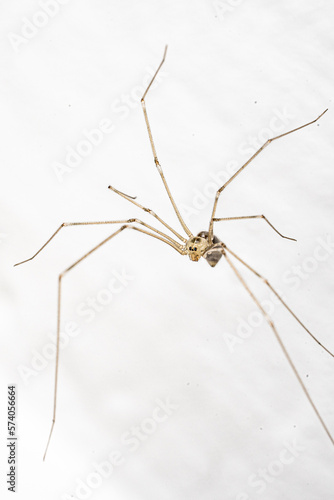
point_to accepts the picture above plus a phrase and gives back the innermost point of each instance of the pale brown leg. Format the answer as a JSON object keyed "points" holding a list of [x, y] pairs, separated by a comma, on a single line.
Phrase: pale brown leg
{"points": [[148, 210], [220, 190], [175, 244], [253, 217], [59, 308], [280, 298], [156, 161], [271, 324]]}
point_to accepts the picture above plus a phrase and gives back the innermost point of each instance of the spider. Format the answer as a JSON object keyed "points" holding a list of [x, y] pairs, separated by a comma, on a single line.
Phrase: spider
{"points": [[204, 245]]}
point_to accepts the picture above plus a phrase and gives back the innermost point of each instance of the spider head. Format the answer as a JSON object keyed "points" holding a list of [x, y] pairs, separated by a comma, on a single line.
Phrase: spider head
{"points": [[196, 247]]}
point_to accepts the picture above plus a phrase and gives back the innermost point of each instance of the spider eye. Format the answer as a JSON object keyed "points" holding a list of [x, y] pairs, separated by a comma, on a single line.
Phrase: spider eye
{"points": [[195, 249]]}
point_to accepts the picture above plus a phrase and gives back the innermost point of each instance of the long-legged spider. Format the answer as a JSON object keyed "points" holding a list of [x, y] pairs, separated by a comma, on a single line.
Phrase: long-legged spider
{"points": [[205, 245]]}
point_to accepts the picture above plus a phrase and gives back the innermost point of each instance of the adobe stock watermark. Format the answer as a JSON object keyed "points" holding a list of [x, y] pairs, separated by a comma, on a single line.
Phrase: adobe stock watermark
{"points": [[259, 481], [95, 304], [246, 327], [224, 7], [309, 265], [205, 196], [131, 440], [31, 27], [92, 138], [87, 309], [293, 278]]}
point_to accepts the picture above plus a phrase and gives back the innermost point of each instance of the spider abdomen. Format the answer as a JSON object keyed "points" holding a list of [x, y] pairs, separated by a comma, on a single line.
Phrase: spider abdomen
{"points": [[215, 251]]}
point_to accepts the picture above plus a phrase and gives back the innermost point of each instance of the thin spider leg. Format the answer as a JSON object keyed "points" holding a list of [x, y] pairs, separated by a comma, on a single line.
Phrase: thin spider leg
{"points": [[254, 217], [66, 224], [59, 307], [165, 237], [174, 245], [148, 210], [280, 299], [271, 324], [156, 161], [220, 190]]}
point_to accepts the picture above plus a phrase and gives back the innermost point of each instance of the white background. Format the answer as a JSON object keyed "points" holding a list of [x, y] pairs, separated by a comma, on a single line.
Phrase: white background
{"points": [[231, 68]]}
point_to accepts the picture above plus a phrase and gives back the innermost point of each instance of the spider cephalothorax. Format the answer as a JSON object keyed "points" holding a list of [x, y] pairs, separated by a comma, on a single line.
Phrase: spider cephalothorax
{"points": [[199, 246], [195, 247]]}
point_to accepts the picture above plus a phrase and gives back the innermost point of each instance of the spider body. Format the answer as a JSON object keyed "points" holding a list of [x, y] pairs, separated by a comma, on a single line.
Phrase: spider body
{"points": [[199, 246]]}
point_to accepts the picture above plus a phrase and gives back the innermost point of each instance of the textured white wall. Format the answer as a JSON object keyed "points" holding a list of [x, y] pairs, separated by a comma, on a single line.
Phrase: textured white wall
{"points": [[235, 72]]}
